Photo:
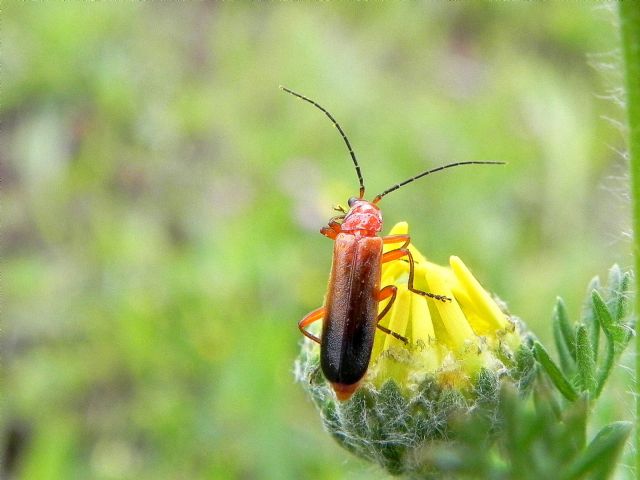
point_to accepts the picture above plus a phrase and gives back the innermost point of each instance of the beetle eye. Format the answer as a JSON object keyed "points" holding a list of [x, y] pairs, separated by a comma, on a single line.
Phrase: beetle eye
{"points": [[352, 200]]}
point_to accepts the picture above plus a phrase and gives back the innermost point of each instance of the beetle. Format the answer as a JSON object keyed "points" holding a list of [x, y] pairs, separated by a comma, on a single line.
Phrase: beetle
{"points": [[350, 312]]}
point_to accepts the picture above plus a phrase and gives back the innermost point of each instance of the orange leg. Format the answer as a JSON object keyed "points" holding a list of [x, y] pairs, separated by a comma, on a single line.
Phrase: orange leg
{"points": [[333, 229], [403, 251], [403, 237], [311, 317], [388, 291]]}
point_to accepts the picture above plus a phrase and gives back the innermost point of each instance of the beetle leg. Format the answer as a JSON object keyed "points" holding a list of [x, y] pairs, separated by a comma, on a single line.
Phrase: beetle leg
{"points": [[334, 227], [386, 292], [389, 291], [402, 237], [328, 232], [308, 319], [404, 252]]}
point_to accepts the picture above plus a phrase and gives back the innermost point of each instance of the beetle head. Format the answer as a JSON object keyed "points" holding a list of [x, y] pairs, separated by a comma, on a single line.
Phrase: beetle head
{"points": [[363, 216]]}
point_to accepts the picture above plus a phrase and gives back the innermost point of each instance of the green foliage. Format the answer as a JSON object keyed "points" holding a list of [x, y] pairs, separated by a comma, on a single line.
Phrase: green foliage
{"points": [[581, 383], [582, 370], [535, 443], [557, 377], [161, 200], [563, 336]]}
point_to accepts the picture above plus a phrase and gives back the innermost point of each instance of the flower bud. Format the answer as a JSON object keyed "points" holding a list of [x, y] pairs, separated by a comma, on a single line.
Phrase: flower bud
{"points": [[458, 353]]}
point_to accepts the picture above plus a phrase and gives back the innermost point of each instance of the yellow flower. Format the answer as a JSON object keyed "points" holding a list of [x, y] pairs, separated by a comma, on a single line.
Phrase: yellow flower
{"points": [[457, 356], [453, 340]]}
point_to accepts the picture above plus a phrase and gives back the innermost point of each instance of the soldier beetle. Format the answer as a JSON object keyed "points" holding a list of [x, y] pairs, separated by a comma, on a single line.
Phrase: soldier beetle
{"points": [[350, 311]]}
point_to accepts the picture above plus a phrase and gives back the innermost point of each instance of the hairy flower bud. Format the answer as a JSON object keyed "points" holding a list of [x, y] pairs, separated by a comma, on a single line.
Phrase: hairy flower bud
{"points": [[458, 354]]}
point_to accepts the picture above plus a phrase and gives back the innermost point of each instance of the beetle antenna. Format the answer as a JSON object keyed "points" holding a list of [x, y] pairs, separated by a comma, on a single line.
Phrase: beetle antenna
{"points": [[337, 125], [420, 175]]}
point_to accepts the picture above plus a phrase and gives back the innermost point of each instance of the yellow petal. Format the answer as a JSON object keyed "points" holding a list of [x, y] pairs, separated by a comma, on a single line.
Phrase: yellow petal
{"points": [[453, 320], [482, 302], [402, 228], [421, 324], [399, 318]]}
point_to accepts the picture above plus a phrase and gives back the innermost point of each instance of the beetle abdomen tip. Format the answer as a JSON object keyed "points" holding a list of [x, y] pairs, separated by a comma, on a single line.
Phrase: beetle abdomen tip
{"points": [[344, 392]]}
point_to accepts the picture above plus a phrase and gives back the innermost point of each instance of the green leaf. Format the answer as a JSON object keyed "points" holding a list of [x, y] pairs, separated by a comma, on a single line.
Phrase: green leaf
{"points": [[521, 428], [619, 297], [564, 336], [543, 399], [605, 368], [585, 361], [589, 318], [613, 328], [524, 371], [614, 281], [618, 335], [599, 458], [618, 292], [602, 313], [575, 421], [556, 376]]}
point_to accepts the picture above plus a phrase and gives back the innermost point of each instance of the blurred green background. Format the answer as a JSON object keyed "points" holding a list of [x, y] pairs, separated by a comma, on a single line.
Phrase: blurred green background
{"points": [[162, 200]]}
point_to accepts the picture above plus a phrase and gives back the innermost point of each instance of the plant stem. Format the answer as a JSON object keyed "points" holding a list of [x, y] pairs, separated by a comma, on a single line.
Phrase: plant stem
{"points": [[630, 31]]}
